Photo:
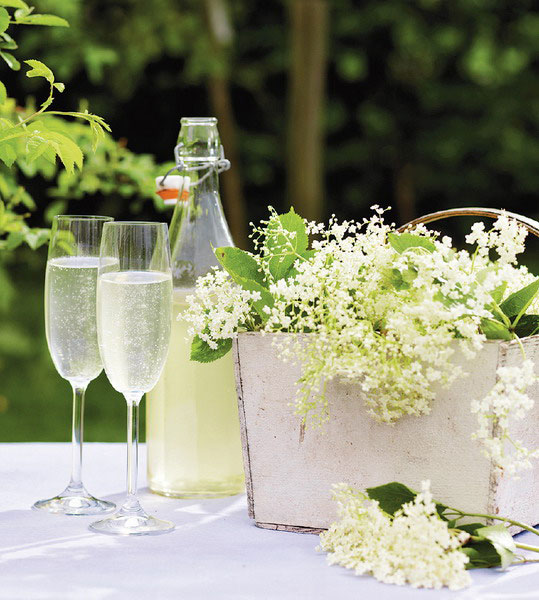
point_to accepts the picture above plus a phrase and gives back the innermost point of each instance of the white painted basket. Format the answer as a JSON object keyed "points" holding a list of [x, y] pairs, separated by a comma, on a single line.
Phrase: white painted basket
{"points": [[290, 471]]}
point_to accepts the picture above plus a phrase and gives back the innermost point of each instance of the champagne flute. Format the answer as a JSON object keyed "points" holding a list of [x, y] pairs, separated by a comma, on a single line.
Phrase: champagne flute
{"points": [[134, 314], [70, 324]]}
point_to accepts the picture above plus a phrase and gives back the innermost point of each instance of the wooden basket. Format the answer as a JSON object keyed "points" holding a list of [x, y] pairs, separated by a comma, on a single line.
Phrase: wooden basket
{"points": [[290, 471]]}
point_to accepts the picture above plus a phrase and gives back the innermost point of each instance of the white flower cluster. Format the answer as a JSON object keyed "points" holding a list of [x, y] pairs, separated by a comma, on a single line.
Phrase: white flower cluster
{"points": [[364, 310], [385, 319], [217, 307], [506, 401], [507, 237], [415, 546]]}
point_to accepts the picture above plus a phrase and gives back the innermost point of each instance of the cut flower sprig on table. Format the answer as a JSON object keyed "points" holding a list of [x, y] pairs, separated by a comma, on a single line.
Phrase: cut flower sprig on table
{"points": [[403, 537], [382, 308]]}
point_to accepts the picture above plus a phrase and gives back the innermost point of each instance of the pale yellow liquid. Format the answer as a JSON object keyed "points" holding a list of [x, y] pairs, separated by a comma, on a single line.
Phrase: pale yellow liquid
{"points": [[192, 426]]}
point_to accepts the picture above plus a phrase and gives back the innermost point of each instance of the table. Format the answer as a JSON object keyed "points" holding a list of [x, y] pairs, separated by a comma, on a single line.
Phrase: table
{"points": [[215, 552]]}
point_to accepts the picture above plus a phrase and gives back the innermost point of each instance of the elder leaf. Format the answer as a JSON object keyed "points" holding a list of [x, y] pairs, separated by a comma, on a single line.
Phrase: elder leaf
{"points": [[527, 325], [391, 497], [286, 238], [495, 330], [201, 351], [519, 301], [240, 264], [501, 539], [403, 241]]}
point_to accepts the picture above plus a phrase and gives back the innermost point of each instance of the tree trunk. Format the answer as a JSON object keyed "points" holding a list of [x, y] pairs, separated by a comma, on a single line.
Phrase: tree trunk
{"points": [[405, 193], [220, 32], [305, 181]]}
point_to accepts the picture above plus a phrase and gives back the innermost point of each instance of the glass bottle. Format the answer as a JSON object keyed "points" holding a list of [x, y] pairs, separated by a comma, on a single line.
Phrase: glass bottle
{"points": [[192, 425]]}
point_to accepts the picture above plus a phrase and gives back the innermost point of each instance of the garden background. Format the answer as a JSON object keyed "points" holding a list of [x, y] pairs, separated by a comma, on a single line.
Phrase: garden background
{"points": [[329, 105]]}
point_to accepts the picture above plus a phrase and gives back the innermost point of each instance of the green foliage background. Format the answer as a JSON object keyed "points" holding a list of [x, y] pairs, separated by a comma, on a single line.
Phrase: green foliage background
{"points": [[429, 104]]}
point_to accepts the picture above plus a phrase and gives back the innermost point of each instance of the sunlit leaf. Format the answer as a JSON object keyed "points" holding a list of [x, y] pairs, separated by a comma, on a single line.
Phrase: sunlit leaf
{"points": [[51, 20], [11, 61], [4, 19], [8, 155], [14, 4], [68, 151], [39, 69]]}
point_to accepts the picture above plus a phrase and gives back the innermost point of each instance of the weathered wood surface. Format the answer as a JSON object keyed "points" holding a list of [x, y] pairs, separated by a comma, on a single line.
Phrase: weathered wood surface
{"points": [[290, 471]]}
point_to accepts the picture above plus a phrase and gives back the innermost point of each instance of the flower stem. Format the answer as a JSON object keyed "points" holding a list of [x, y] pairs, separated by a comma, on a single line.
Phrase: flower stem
{"points": [[527, 547], [460, 513]]}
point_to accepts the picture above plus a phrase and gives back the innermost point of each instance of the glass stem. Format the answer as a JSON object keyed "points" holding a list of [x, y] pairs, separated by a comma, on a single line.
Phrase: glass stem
{"points": [[133, 401], [77, 430]]}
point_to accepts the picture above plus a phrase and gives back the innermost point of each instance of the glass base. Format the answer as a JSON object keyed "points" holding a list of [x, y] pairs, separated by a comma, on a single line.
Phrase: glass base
{"points": [[132, 522], [75, 501]]}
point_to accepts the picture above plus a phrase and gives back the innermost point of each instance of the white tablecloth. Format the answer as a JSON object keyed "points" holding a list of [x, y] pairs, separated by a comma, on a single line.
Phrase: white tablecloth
{"points": [[215, 552]]}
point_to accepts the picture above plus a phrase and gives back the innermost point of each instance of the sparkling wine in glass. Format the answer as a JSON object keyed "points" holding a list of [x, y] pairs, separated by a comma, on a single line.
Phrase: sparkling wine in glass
{"points": [[70, 324], [134, 314]]}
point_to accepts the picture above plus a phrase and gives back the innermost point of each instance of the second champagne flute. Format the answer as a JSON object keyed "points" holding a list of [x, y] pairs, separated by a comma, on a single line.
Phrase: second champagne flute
{"points": [[134, 313]]}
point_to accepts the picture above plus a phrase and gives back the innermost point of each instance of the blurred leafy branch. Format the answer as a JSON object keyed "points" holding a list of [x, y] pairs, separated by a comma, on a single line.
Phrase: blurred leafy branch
{"points": [[30, 135], [51, 144]]}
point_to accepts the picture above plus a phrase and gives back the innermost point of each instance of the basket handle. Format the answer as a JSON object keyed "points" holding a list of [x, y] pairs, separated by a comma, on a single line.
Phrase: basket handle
{"points": [[531, 225]]}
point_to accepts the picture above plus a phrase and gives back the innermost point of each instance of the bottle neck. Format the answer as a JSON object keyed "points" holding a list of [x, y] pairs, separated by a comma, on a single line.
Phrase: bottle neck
{"points": [[198, 226]]}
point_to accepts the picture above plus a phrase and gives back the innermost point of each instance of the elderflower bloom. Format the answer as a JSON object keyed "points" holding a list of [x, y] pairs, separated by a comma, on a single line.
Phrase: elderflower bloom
{"points": [[360, 310], [414, 546], [217, 307], [506, 401]]}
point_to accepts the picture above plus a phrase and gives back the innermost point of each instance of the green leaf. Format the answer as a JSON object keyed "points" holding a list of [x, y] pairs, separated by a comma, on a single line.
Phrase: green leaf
{"points": [[14, 4], [4, 19], [14, 240], [240, 264], [266, 297], [201, 352], [391, 496], [495, 330], [286, 238], [20, 13], [8, 44], [498, 293], [403, 241], [8, 154], [37, 237], [36, 146], [481, 554], [520, 300], [39, 69], [401, 280], [11, 61], [3, 93], [70, 154], [50, 20], [471, 528], [57, 207], [501, 539], [60, 86], [527, 325]]}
